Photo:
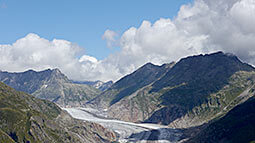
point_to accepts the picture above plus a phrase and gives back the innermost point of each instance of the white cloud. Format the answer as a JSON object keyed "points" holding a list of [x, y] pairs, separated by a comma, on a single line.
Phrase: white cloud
{"points": [[111, 38], [243, 13], [201, 27], [33, 52], [86, 58]]}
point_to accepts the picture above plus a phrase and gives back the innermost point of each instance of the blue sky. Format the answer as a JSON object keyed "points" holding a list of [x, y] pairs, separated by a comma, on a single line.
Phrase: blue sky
{"points": [[81, 21], [153, 31]]}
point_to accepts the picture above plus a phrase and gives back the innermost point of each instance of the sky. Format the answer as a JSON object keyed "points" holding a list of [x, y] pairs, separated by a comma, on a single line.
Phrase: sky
{"points": [[81, 21], [106, 40]]}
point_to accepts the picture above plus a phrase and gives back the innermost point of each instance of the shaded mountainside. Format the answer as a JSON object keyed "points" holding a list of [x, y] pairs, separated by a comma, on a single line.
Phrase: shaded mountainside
{"points": [[23, 118], [237, 126], [30, 81], [194, 91], [201, 86], [140, 78], [51, 85], [131, 83], [199, 76]]}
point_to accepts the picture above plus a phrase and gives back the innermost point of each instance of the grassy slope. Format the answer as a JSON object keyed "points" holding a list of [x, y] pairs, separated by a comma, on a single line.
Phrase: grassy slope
{"points": [[240, 88], [17, 108], [27, 119], [235, 127], [131, 83], [199, 76], [192, 92]]}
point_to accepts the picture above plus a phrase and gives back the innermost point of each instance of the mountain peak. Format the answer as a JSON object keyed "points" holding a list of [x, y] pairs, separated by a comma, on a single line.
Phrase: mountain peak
{"points": [[206, 73], [29, 81], [56, 70], [30, 70], [147, 66], [217, 53], [220, 53], [217, 58]]}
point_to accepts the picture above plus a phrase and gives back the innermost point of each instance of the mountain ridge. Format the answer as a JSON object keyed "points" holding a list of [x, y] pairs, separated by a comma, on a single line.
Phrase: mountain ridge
{"points": [[23, 118], [190, 87], [133, 85], [51, 85]]}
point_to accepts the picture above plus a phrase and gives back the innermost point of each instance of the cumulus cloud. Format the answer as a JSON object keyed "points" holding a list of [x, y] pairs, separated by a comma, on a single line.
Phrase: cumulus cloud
{"points": [[111, 38], [34, 52], [199, 27], [86, 58]]}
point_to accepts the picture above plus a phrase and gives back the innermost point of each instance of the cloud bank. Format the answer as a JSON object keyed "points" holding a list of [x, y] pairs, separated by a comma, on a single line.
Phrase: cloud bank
{"points": [[201, 27]]}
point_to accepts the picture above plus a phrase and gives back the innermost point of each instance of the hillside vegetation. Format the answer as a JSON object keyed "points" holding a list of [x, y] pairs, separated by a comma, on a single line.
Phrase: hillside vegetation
{"points": [[189, 93], [24, 118]]}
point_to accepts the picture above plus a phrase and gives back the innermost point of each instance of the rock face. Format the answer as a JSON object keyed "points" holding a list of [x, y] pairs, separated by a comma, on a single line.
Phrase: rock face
{"points": [[130, 84], [24, 118], [51, 85], [235, 127], [189, 93], [102, 86]]}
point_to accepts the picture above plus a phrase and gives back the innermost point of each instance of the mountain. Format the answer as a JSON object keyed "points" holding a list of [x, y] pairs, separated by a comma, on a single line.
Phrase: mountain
{"points": [[130, 83], [102, 86], [189, 93], [201, 86], [25, 119], [237, 126], [51, 85]]}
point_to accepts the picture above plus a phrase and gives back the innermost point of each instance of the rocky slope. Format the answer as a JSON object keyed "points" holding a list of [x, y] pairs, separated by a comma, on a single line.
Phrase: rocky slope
{"points": [[24, 118], [194, 91], [130, 83], [102, 86], [51, 85], [235, 127]]}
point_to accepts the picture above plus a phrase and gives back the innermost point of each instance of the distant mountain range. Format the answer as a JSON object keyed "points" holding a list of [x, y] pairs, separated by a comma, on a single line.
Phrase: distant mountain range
{"points": [[25, 119], [51, 85]]}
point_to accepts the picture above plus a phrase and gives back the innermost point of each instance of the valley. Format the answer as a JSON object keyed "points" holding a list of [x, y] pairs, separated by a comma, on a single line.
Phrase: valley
{"points": [[121, 71], [188, 101], [128, 131]]}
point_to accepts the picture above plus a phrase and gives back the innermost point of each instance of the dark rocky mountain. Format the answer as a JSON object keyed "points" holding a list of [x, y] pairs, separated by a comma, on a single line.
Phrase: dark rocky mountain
{"points": [[192, 80], [51, 85], [102, 86], [189, 93], [25, 119], [140, 78], [199, 76], [237, 126], [130, 83], [30, 81]]}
